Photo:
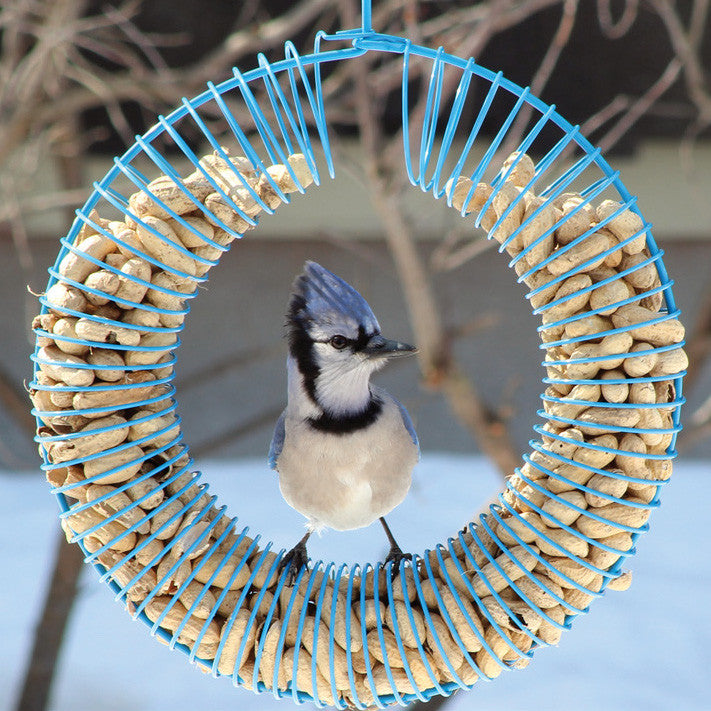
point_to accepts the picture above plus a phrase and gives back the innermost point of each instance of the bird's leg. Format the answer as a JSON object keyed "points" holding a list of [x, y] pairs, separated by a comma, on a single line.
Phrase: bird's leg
{"points": [[295, 559], [395, 555]]}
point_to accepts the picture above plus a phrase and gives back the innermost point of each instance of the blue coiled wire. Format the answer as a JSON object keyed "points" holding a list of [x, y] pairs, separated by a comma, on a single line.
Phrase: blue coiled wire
{"points": [[300, 124]]}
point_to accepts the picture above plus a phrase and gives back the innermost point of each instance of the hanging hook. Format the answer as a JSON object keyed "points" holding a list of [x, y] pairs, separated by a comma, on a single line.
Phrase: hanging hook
{"points": [[366, 16]]}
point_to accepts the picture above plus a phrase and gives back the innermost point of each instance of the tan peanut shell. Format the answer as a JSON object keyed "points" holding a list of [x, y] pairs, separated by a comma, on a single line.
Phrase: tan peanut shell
{"points": [[76, 266]]}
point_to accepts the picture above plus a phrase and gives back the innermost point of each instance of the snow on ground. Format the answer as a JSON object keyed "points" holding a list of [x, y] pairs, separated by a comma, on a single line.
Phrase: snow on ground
{"points": [[643, 650]]}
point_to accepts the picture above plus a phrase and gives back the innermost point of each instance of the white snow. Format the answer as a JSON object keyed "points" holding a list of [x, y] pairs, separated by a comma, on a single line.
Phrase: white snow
{"points": [[646, 649]]}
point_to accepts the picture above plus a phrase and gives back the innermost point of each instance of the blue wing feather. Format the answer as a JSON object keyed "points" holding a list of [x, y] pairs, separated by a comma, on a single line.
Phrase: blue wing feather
{"points": [[407, 421], [277, 443]]}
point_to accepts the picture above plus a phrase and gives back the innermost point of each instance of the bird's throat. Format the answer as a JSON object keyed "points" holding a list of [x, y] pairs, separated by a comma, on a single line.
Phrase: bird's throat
{"points": [[333, 400], [343, 390]]}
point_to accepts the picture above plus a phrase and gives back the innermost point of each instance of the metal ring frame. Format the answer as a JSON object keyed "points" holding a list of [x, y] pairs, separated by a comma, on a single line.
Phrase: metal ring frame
{"points": [[299, 123]]}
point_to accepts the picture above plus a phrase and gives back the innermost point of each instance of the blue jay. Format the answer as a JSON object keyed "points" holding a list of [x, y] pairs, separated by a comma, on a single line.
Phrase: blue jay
{"points": [[344, 449]]}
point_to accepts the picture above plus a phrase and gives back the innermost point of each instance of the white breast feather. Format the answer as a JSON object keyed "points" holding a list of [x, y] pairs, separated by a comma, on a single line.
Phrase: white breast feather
{"points": [[347, 481]]}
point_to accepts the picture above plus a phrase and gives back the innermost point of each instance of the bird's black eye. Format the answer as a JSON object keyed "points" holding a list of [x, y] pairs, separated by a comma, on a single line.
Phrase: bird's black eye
{"points": [[339, 342]]}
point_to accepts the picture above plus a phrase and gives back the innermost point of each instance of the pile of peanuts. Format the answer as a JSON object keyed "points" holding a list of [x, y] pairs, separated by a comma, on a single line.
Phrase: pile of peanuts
{"points": [[112, 442]]}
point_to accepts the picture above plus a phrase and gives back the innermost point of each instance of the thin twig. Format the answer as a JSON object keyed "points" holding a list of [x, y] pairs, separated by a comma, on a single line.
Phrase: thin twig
{"points": [[17, 224], [606, 114], [252, 39], [687, 54], [616, 29], [55, 200], [641, 106], [543, 73], [234, 361], [222, 439], [448, 258]]}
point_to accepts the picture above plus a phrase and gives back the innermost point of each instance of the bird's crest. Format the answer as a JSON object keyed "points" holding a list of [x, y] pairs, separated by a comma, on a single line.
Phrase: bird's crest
{"points": [[322, 300]]}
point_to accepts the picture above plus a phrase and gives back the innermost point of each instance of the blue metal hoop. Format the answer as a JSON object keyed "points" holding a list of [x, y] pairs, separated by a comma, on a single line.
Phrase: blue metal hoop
{"points": [[268, 114]]}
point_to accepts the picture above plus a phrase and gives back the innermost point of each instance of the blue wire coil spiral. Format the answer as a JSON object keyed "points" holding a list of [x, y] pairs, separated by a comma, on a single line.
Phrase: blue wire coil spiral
{"points": [[273, 112]]}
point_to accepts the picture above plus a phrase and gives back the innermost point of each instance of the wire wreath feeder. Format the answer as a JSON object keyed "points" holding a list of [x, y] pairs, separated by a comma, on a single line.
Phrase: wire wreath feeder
{"points": [[508, 582]]}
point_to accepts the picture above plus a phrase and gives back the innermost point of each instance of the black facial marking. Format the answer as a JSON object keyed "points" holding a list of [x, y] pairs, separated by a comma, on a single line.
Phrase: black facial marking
{"points": [[302, 351], [362, 341], [345, 424], [301, 345], [355, 344]]}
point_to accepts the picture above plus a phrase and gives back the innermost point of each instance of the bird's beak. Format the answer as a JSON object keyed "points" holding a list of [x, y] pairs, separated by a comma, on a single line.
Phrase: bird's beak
{"points": [[379, 347]]}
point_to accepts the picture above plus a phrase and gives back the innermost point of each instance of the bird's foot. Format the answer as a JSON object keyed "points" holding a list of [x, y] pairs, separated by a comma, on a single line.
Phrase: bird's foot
{"points": [[395, 556], [294, 560]]}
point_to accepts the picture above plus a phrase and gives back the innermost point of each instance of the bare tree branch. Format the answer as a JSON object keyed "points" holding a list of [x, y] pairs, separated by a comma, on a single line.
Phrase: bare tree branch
{"points": [[42, 203], [58, 603], [17, 225], [252, 39], [616, 29], [449, 254], [641, 106], [686, 50], [234, 361], [222, 439], [543, 73]]}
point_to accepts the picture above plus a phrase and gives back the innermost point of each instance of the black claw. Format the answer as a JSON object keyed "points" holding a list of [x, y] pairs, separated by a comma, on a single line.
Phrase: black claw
{"points": [[296, 559], [395, 556]]}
